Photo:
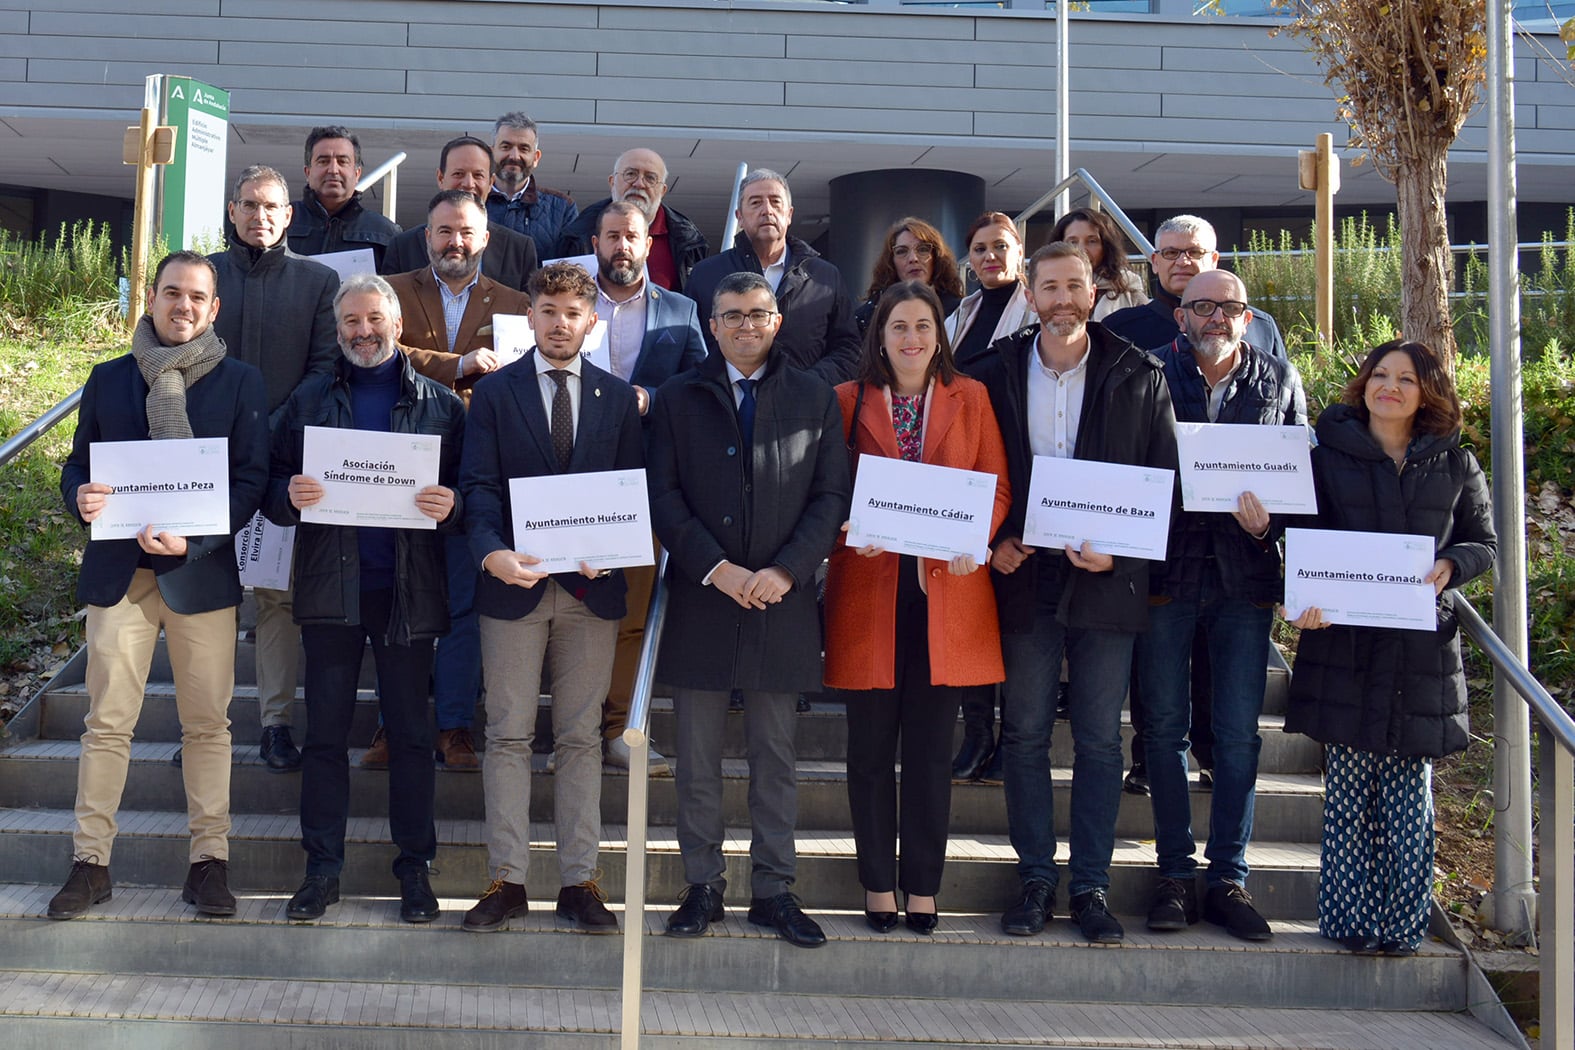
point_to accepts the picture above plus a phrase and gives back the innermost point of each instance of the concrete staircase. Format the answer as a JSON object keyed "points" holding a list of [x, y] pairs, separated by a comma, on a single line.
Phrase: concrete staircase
{"points": [[144, 971]]}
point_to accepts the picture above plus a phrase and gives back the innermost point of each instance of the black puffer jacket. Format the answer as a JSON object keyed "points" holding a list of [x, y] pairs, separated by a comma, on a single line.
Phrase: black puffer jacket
{"points": [[1377, 689], [327, 577], [314, 232], [1263, 391]]}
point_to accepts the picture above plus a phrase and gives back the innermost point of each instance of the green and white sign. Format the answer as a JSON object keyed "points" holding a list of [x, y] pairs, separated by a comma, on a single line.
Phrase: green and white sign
{"points": [[191, 203]]}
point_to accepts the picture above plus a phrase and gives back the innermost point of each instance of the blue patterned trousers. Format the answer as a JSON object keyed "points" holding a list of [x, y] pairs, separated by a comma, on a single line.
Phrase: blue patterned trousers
{"points": [[1377, 874]]}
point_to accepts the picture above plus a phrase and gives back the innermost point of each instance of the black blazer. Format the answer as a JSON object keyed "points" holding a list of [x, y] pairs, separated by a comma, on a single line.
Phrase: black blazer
{"points": [[509, 259], [508, 435], [229, 402]]}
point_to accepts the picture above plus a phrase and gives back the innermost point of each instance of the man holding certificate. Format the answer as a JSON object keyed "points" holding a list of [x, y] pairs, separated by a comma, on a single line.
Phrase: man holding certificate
{"points": [[550, 413], [175, 383], [1221, 573], [360, 583], [1067, 388]]}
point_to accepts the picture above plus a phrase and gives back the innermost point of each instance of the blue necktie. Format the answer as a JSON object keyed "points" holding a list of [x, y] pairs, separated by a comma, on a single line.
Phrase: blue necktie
{"points": [[746, 411]]}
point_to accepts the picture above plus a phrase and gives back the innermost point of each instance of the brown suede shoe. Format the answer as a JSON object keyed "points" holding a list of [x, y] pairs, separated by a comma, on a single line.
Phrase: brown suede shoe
{"points": [[376, 756], [87, 885], [457, 751], [500, 903]]}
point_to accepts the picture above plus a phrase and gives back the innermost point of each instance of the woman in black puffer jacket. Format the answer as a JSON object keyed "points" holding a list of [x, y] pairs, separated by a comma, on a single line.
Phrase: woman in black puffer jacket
{"points": [[1386, 702]]}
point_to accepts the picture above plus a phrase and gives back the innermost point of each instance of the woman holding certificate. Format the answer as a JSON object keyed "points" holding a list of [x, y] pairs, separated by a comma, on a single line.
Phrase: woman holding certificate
{"points": [[1386, 702], [907, 637]]}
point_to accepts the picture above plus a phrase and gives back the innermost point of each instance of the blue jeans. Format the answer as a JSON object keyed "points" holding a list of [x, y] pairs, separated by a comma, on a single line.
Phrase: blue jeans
{"points": [[456, 666], [1098, 667], [1238, 646]]}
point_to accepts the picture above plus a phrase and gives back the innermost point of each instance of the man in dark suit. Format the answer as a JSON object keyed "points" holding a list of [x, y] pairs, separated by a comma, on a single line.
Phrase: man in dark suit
{"points": [[175, 383], [448, 306], [552, 412], [466, 164], [749, 485], [652, 335]]}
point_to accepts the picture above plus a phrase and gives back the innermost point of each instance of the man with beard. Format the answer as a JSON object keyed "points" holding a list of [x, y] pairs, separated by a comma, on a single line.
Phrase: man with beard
{"points": [[280, 320], [639, 176], [331, 216], [517, 198], [1068, 388], [355, 585], [552, 413], [1223, 575], [448, 307], [652, 335], [175, 383], [466, 164]]}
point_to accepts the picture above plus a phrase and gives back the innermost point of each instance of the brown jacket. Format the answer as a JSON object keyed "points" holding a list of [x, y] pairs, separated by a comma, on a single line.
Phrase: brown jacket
{"points": [[861, 593], [425, 338]]}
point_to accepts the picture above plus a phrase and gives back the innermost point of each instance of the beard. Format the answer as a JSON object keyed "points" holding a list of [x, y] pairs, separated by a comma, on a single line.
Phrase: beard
{"points": [[1214, 346], [1067, 321], [456, 266], [369, 352], [647, 206], [620, 269]]}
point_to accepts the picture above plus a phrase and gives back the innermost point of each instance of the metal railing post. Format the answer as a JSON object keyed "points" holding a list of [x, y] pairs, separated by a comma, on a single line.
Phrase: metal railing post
{"points": [[730, 227], [389, 169], [1556, 942]]}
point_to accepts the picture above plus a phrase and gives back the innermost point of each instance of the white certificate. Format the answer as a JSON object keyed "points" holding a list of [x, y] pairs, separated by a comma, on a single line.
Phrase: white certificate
{"points": [[177, 485], [602, 519], [348, 264], [263, 552], [1220, 461], [369, 478], [921, 509], [1119, 509], [513, 337], [1367, 579]]}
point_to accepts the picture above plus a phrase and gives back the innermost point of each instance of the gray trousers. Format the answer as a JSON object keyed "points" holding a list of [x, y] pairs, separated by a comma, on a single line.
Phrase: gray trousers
{"points": [[580, 645], [278, 655], [770, 721]]}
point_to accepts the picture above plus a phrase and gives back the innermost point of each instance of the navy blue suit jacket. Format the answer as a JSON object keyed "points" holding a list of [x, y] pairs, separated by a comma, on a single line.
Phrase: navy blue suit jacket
{"points": [[508, 435], [673, 342], [229, 402]]}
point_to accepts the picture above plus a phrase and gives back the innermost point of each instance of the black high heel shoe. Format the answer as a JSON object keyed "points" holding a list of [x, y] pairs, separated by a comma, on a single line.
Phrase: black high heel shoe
{"points": [[1359, 944], [922, 922], [879, 921]]}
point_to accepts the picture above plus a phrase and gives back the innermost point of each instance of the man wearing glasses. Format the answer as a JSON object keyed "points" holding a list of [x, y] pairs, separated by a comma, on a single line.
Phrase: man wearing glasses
{"points": [[749, 485], [1184, 247], [639, 176], [1221, 573], [278, 317]]}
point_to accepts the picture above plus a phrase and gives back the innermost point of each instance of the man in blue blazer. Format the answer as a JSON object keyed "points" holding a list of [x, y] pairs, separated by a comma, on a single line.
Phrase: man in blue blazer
{"points": [[551, 412], [175, 383], [652, 335]]}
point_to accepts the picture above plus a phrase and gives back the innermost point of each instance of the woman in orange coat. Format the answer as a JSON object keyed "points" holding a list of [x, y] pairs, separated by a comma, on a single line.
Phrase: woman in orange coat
{"points": [[906, 637]]}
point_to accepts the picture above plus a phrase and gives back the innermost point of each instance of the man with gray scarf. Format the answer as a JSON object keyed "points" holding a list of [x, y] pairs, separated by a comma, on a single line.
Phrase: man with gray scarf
{"points": [[175, 383]]}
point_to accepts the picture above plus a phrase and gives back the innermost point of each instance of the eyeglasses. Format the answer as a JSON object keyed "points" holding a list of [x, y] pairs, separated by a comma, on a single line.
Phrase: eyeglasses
{"points": [[645, 178], [1172, 254], [250, 207], [917, 251], [756, 318], [1206, 307]]}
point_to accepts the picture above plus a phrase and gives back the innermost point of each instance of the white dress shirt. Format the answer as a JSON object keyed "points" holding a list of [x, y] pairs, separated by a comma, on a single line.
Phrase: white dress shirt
{"points": [[1055, 405], [549, 386]]}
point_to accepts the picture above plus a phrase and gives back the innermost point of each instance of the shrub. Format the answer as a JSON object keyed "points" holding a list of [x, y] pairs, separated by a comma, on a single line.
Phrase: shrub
{"points": [[69, 286]]}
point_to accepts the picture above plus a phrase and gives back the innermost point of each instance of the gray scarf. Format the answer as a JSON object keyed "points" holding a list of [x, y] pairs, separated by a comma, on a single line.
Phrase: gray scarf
{"points": [[169, 372]]}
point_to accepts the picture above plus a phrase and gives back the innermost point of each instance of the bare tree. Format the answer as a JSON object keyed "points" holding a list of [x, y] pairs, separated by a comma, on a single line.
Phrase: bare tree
{"points": [[1408, 73]]}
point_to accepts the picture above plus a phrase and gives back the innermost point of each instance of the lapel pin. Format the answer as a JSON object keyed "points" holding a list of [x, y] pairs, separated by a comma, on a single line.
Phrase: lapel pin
{"points": [[598, 391]]}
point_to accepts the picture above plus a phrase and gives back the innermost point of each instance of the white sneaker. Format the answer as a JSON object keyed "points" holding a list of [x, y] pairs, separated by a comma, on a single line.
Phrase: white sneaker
{"points": [[616, 753]]}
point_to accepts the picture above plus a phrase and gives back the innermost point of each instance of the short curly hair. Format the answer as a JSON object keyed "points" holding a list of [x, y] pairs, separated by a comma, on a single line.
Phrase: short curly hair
{"points": [[562, 278]]}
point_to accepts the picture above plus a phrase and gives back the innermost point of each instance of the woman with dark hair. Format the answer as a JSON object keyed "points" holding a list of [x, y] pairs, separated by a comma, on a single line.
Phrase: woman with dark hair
{"points": [[1387, 702], [914, 251], [906, 636], [1106, 247], [1001, 305]]}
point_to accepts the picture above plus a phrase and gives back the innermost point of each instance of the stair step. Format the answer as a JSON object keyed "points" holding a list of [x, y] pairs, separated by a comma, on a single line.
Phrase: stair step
{"points": [[151, 849], [44, 773], [967, 959]]}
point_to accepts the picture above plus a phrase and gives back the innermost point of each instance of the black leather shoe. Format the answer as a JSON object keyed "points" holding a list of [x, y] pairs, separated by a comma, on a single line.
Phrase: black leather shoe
{"points": [[879, 921], [1027, 917], [501, 902], [699, 907], [1359, 944], [279, 751], [1398, 950], [971, 757], [1063, 702], [317, 892], [922, 922], [207, 888], [786, 915], [1230, 906], [1174, 905], [584, 905], [994, 771], [1136, 782], [417, 902], [87, 885], [1093, 918]]}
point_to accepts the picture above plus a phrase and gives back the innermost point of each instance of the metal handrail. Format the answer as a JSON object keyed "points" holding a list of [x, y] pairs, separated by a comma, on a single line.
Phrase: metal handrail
{"points": [[1556, 865], [39, 427], [1098, 193], [390, 169], [636, 733]]}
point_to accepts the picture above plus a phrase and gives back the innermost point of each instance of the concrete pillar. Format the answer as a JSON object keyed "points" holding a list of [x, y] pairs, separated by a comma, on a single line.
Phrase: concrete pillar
{"points": [[866, 203]]}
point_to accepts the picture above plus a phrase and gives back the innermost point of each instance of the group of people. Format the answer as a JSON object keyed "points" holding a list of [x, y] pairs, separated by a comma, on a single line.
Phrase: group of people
{"points": [[749, 399]]}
